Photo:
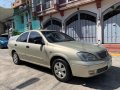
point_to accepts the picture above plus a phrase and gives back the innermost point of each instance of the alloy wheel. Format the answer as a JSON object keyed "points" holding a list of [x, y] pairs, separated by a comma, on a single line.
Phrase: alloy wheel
{"points": [[60, 70]]}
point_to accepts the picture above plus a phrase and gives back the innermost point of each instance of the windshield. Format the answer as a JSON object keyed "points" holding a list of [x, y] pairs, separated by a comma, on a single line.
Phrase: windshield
{"points": [[54, 36], [3, 38]]}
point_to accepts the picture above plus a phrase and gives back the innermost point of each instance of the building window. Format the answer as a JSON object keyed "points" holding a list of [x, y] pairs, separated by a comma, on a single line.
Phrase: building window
{"points": [[53, 24], [73, 19], [82, 27], [62, 1], [47, 24], [46, 4], [27, 17], [111, 25], [22, 19]]}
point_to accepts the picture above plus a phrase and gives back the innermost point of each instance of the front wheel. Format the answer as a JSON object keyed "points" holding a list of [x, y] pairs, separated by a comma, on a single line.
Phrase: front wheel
{"points": [[16, 59], [61, 70]]}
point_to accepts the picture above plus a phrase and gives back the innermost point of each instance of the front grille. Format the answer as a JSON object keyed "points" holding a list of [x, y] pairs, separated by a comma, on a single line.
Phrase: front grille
{"points": [[102, 69], [102, 54]]}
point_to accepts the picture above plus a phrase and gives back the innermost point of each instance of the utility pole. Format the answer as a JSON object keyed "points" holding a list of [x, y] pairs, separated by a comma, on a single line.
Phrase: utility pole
{"points": [[29, 13]]}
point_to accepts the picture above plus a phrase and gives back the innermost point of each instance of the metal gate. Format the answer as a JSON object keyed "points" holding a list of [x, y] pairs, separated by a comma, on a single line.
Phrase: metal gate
{"points": [[82, 27], [112, 27], [53, 25]]}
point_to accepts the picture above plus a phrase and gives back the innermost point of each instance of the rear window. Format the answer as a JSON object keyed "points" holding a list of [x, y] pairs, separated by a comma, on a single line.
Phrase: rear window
{"points": [[23, 37], [13, 37]]}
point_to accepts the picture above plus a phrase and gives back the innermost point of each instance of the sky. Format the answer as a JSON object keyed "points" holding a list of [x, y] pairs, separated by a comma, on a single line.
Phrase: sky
{"points": [[6, 3]]}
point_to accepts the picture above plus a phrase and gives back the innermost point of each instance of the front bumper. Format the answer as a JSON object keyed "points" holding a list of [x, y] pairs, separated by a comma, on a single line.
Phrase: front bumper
{"points": [[90, 69]]}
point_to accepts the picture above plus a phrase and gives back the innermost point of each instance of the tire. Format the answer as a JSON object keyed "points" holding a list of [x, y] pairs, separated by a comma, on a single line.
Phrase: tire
{"points": [[61, 70], [16, 59]]}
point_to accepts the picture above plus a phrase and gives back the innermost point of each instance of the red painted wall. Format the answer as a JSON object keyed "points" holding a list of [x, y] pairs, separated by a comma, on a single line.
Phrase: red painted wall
{"points": [[112, 47]]}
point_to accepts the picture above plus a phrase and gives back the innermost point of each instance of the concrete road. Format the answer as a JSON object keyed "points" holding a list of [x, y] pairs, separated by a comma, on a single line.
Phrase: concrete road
{"points": [[33, 77]]}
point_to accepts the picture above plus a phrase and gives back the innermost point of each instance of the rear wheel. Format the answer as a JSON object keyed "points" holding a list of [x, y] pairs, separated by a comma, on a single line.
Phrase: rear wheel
{"points": [[61, 70], [16, 59]]}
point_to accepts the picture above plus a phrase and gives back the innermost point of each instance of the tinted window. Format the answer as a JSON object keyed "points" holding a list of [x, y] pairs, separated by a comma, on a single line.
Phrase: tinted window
{"points": [[23, 37], [34, 36], [53, 36]]}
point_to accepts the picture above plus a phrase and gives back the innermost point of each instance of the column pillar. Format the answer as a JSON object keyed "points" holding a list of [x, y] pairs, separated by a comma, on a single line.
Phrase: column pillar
{"points": [[99, 20], [63, 27], [99, 27]]}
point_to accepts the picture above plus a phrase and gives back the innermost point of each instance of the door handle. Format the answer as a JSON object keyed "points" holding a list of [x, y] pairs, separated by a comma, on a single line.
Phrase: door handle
{"points": [[27, 47], [15, 44]]}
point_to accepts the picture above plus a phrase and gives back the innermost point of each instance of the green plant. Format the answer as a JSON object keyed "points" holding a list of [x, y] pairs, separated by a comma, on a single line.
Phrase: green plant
{"points": [[15, 32]]}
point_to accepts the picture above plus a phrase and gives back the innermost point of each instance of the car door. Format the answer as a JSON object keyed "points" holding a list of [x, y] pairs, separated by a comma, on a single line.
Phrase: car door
{"points": [[35, 51], [20, 45]]}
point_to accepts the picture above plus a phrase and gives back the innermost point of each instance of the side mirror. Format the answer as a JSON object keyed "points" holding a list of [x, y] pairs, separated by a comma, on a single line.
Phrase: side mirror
{"points": [[39, 41]]}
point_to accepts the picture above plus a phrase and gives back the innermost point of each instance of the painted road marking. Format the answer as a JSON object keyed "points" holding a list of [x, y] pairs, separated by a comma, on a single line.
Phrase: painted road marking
{"points": [[115, 54]]}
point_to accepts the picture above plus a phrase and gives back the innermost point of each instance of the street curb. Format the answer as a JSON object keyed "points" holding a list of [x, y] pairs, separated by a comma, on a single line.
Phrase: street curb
{"points": [[115, 54]]}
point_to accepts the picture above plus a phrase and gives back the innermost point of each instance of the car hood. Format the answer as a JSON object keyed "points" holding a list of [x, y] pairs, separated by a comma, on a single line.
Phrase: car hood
{"points": [[81, 46]]}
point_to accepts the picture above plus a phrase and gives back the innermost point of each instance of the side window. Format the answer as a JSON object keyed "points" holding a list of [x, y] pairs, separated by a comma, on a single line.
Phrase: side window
{"points": [[35, 38], [23, 37]]}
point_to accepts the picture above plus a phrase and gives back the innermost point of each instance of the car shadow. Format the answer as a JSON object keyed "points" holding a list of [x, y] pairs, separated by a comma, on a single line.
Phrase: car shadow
{"points": [[4, 48], [38, 67], [109, 80]]}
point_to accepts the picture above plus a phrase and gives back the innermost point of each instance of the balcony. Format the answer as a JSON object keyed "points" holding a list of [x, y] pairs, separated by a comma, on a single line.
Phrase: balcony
{"points": [[62, 1], [48, 5], [72, 3], [52, 6], [44, 7], [65, 1], [21, 9], [18, 3]]}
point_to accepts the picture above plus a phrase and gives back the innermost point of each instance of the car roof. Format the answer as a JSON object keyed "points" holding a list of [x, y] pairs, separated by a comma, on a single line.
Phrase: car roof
{"points": [[37, 30], [47, 30], [40, 30]]}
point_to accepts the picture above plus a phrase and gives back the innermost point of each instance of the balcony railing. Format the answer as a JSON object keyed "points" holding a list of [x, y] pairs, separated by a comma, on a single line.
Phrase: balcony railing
{"points": [[51, 4], [65, 1], [21, 9], [62, 1], [17, 3], [38, 8], [43, 6], [48, 4]]}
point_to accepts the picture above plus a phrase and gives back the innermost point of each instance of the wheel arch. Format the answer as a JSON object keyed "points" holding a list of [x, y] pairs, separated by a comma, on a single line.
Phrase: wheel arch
{"points": [[60, 57], [12, 52]]}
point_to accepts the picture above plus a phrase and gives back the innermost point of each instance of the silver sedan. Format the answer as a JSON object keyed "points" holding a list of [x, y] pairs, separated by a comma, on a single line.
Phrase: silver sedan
{"points": [[60, 52]]}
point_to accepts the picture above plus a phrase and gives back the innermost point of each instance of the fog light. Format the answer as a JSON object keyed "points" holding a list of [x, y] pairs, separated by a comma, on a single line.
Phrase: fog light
{"points": [[92, 72]]}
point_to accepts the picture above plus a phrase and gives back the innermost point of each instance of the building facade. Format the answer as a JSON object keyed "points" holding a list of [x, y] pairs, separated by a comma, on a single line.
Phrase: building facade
{"points": [[1, 28], [89, 21], [5, 14], [23, 19]]}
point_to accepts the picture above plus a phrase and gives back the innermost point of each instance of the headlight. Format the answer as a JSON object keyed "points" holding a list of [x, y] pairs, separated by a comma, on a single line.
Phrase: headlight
{"points": [[84, 56]]}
